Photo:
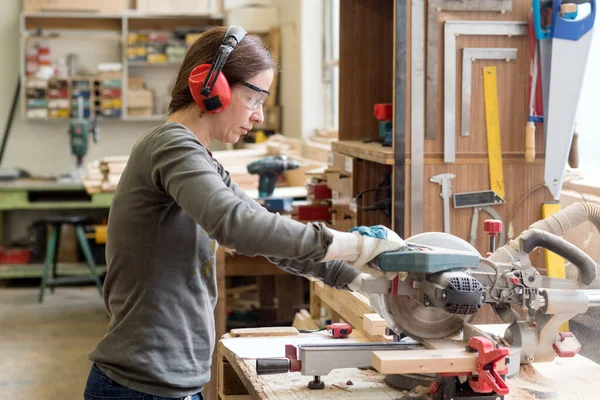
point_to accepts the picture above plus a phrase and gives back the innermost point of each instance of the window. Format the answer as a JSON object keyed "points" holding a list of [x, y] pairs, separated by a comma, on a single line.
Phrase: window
{"points": [[331, 69]]}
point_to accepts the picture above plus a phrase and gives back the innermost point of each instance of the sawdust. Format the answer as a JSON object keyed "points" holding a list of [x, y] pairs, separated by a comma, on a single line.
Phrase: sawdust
{"points": [[530, 384]]}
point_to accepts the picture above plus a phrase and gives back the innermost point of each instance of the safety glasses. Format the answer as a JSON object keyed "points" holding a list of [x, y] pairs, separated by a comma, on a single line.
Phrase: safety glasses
{"points": [[253, 96]]}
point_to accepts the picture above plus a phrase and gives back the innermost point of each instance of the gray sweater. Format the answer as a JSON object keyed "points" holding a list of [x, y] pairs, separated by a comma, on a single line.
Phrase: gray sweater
{"points": [[172, 206]]}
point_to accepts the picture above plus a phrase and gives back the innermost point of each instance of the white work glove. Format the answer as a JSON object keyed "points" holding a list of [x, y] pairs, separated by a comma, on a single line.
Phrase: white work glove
{"points": [[361, 245]]}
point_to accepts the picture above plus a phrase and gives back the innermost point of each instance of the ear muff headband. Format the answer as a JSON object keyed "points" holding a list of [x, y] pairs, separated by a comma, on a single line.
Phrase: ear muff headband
{"points": [[207, 83]]}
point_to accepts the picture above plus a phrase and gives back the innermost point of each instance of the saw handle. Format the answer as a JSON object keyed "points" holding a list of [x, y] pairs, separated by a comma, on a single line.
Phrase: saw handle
{"points": [[564, 28], [533, 238]]}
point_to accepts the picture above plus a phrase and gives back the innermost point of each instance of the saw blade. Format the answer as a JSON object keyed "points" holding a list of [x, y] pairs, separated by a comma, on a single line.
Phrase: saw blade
{"points": [[405, 314], [418, 321]]}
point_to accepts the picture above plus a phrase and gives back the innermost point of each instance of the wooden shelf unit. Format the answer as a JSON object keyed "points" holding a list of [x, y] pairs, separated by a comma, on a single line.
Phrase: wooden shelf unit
{"points": [[94, 27]]}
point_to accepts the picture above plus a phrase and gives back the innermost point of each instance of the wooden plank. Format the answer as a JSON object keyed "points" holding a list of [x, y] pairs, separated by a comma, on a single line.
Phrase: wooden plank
{"points": [[373, 324], [268, 331], [351, 306], [426, 361], [367, 151], [304, 321]]}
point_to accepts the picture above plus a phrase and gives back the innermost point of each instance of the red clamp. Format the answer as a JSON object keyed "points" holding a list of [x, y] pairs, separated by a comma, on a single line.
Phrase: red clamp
{"points": [[488, 379], [339, 330], [291, 353]]}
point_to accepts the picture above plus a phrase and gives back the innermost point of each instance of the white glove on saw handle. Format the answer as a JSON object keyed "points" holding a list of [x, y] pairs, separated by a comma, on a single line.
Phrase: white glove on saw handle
{"points": [[361, 245]]}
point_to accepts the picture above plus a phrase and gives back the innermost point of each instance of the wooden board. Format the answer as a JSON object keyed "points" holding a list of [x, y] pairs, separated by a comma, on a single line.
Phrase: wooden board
{"points": [[350, 305], [367, 151], [263, 332], [426, 361]]}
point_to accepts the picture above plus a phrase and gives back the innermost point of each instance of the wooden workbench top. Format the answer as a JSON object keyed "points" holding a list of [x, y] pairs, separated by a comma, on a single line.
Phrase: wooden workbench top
{"points": [[564, 378], [243, 352]]}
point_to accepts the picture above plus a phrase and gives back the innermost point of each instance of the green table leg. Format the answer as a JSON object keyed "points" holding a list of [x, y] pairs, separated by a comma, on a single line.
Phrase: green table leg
{"points": [[87, 252], [48, 264]]}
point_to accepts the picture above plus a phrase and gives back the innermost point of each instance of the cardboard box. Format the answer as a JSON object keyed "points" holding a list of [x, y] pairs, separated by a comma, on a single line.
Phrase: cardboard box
{"points": [[180, 7], [253, 19], [97, 6], [229, 4], [135, 82], [140, 98]]}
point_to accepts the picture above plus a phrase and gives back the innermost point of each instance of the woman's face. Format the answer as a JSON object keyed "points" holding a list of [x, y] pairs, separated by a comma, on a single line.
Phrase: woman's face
{"points": [[245, 108]]}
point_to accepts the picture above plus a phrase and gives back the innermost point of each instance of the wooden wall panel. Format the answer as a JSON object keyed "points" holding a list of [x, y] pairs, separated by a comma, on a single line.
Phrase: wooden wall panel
{"points": [[475, 177], [366, 65], [471, 166]]}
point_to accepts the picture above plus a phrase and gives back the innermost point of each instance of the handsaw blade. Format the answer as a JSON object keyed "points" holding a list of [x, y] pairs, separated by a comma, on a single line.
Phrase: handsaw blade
{"points": [[420, 322], [569, 59]]}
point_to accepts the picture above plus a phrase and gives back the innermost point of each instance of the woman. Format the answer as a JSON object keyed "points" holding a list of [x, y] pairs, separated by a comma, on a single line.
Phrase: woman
{"points": [[174, 202]]}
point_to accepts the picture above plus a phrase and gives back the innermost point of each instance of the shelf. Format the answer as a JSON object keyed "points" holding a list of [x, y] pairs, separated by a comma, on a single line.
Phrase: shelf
{"points": [[112, 38], [365, 151], [145, 118], [142, 64], [13, 271], [129, 14]]}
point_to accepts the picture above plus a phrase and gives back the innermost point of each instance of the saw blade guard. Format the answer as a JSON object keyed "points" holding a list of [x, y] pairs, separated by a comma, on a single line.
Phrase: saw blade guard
{"points": [[405, 314]]}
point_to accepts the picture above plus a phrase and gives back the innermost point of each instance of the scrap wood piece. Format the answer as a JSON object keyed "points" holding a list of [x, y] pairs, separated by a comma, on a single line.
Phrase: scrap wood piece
{"points": [[374, 324], [267, 331], [303, 320]]}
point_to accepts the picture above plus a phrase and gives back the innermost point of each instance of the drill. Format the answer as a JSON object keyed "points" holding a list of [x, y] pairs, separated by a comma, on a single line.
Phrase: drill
{"points": [[79, 130], [269, 170]]}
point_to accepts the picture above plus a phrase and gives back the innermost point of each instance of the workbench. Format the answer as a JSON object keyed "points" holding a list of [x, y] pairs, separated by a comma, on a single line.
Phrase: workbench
{"points": [[30, 194], [564, 378]]}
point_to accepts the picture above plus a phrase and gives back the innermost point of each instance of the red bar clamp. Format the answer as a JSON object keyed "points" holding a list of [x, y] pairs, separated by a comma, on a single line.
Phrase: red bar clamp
{"points": [[488, 379]]}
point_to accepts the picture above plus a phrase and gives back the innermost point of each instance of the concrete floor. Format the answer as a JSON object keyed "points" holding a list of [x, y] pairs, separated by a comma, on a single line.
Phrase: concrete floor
{"points": [[44, 347]]}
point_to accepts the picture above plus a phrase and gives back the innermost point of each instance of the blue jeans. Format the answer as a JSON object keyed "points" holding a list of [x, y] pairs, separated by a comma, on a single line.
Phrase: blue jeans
{"points": [[100, 386]]}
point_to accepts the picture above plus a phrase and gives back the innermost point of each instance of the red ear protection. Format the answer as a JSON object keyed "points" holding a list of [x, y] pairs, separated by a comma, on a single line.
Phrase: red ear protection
{"points": [[208, 85], [218, 98]]}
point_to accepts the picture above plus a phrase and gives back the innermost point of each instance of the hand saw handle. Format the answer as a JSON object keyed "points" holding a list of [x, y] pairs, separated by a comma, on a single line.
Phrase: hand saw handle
{"points": [[533, 238], [565, 28], [541, 31]]}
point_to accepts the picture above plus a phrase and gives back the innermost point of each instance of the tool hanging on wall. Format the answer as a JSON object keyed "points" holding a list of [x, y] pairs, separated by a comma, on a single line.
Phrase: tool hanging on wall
{"points": [[445, 182], [492, 122], [535, 108], [571, 40]]}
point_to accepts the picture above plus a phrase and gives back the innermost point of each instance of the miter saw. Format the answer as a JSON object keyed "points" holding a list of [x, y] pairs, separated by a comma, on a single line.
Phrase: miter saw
{"points": [[443, 282]]}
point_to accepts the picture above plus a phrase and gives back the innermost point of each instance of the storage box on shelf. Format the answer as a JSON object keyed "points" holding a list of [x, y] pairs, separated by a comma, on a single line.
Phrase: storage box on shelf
{"points": [[95, 6]]}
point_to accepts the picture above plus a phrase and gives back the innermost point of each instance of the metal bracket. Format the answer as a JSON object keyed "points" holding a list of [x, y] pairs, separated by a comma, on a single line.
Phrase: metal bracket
{"points": [[470, 55], [452, 29], [434, 7]]}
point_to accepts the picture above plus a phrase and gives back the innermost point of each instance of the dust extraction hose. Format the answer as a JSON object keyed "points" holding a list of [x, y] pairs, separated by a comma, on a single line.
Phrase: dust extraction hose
{"points": [[557, 224]]}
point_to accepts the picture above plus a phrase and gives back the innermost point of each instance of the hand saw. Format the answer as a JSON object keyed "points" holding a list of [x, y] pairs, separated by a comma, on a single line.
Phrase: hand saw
{"points": [[571, 41]]}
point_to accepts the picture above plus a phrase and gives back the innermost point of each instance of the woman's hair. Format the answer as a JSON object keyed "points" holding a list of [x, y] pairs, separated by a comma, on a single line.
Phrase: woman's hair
{"points": [[248, 58]]}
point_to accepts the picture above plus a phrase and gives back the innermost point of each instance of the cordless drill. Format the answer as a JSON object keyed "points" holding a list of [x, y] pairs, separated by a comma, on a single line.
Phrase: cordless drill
{"points": [[269, 170]]}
